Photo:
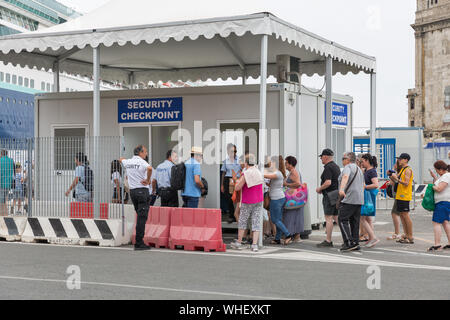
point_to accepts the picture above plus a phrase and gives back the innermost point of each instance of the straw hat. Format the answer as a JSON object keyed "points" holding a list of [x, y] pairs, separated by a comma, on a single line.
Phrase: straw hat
{"points": [[197, 150]]}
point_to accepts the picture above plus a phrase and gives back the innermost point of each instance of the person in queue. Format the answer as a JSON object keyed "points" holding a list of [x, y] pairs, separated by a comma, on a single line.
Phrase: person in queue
{"points": [[139, 174], [441, 214], [329, 183], [395, 216], [351, 192], [277, 175], [370, 165], [193, 184], [161, 182], [117, 182], [251, 184], [293, 219], [231, 163], [403, 197]]}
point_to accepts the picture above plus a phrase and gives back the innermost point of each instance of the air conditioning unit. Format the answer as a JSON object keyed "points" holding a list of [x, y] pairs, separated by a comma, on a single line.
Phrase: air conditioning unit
{"points": [[288, 69]]}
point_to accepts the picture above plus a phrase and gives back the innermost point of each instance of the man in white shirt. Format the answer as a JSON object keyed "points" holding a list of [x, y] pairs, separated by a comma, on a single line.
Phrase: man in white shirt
{"points": [[139, 174]]}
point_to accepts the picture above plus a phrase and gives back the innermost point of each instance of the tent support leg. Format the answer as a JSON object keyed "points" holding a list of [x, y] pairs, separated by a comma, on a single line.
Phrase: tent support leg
{"points": [[373, 112], [329, 99], [56, 86], [96, 133], [262, 116]]}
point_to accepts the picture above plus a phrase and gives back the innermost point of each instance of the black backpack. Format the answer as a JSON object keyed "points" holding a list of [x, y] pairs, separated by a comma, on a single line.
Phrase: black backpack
{"points": [[205, 185], [88, 179], [178, 176]]}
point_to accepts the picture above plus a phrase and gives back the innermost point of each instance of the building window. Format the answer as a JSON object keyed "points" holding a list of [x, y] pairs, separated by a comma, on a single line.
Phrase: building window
{"points": [[68, 142], [32, 83], [2, 76], [42, 86], [14, 79], [412, 123], [48, 87], [27, 82], [20, 81], [8, 78], [447, 97], [411, 103]]}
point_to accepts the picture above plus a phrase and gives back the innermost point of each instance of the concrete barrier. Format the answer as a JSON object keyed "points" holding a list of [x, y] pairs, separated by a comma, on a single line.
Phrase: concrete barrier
{"points": [[104, 233], [12, 228]]}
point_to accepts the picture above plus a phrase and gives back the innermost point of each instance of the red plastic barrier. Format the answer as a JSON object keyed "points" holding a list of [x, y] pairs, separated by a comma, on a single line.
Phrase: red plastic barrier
{"points": [[196, 229], [156, 228], [85, 210]]}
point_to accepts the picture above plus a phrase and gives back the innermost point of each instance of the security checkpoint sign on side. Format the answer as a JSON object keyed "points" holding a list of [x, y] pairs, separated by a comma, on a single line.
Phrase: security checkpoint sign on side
{"points": [[150, 110], [339, 114]]}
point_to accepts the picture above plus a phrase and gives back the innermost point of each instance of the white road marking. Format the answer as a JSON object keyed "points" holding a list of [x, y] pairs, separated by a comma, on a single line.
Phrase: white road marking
{"points": [[440, 254], [117, 285]]}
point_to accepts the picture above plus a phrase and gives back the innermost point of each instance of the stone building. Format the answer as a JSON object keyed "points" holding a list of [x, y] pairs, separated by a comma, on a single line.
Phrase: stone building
{"points": [[429, 102]]}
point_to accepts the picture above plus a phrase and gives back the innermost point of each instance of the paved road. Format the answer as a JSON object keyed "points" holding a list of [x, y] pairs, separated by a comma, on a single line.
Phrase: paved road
{"points": [[300, 271]]}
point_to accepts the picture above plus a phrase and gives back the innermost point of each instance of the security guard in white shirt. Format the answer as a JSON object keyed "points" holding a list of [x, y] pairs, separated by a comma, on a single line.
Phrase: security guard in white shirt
{"points": [[139, 174]]}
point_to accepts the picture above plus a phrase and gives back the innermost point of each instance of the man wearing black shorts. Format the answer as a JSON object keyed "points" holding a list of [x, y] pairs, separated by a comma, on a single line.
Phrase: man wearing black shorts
{"points": [[329, 183]]}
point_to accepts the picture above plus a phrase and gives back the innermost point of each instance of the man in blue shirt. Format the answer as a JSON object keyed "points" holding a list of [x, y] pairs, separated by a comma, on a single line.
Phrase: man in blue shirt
{"points": [[230, 164], [193, 184], [161, 183], [6, 178]]}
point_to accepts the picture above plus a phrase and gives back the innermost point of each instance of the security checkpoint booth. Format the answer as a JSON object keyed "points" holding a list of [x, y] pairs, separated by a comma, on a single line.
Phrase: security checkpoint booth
{"points": [[139, 43]]}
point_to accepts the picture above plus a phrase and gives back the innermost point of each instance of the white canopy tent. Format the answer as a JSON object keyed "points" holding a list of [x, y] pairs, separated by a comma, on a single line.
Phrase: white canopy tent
{"points": [[141, 41]]}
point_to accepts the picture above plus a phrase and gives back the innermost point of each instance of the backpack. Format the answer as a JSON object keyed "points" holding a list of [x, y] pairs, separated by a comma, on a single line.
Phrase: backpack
{"points": [[205, 185], [88, 179], [178, 176]]}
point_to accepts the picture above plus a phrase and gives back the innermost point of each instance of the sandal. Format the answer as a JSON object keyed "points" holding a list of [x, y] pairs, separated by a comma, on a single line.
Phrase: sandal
{"points": [[394, 237], [363, 239], [288, 240], [446, 247], [406, 241], [275, 242], [434, 248]]}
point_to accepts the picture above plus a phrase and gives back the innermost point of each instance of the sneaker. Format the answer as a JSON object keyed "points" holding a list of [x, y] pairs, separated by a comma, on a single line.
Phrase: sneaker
{"points": [[254, 248], [141, 247], [237, 246], [325, 244], [372, 243], [347, 248]]}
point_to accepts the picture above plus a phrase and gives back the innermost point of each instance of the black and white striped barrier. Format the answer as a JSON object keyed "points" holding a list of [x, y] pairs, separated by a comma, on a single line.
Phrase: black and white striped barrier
{"points": [[12, 228], [104, 233]]}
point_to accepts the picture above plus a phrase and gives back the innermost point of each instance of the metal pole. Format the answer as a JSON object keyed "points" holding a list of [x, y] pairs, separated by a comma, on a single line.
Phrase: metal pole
{"points": [[262, 116], [56, 86], [373, 113], [329, 99], [30, 177], [96, 133]]}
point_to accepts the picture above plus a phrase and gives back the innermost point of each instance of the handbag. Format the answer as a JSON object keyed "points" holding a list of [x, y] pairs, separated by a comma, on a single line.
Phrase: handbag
{"points": [[333, 196], [338, 203], [296, 198], [368, 208], [428, 199]]}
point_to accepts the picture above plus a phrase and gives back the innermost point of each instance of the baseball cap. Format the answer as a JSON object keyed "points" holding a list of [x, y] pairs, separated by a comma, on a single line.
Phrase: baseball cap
{"points": [[404, 156], [327, 152]]}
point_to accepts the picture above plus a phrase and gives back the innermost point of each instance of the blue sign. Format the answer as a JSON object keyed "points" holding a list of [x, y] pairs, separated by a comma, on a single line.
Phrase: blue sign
{"points": [[150, 110], [339, 114]]}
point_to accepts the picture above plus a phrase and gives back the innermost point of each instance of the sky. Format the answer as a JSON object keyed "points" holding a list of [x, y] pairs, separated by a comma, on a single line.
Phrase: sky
{"points": [[380, 28]]}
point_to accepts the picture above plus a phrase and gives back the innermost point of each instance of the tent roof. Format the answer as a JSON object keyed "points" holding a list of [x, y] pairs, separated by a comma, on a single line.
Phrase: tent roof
{"points": [[166, 44]]}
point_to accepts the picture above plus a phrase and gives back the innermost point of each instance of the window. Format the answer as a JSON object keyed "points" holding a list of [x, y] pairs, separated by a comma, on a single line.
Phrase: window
{"points": [[42, 86], [32, 83], [68, 142], [411, 103], [2, 76], [339, 144], [20, 81], [8, 78], [14, 79], [447, 97], [412, 123], [26, 82], [48, 87]]}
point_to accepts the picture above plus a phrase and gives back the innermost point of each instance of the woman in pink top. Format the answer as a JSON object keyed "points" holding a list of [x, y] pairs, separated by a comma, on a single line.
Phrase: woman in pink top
{"points": [[251, 184]]}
